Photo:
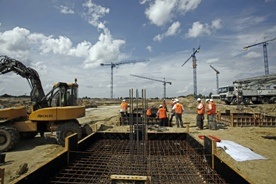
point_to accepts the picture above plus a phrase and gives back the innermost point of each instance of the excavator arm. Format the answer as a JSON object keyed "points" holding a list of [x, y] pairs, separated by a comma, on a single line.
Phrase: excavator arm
{"points": [[37, 93]]}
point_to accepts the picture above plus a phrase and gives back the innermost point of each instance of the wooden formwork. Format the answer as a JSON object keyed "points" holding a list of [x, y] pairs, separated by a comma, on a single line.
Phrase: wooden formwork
{"points": [[268, 120], [246, 119]]}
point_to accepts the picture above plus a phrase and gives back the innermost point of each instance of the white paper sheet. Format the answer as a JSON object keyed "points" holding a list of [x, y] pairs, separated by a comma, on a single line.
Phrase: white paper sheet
{"points": [[238, 152]]}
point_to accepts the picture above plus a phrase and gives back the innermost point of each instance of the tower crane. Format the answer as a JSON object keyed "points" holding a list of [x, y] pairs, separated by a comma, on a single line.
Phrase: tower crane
{"points": [[217, 72], [163, 81], [265, 43], [194, 68], [112, 65]]}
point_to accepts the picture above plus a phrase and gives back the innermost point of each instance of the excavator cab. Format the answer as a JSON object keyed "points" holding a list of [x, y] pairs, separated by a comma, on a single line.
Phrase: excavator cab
{"points": [[63, 94]]}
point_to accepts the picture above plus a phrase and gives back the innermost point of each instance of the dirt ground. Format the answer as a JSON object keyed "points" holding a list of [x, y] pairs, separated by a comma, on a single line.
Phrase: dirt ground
{"points": [[36, 152]]}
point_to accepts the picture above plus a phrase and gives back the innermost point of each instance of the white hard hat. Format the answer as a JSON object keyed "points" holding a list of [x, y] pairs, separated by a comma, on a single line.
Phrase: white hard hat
{"points": [[211, 100], [176, 100], [198, 99], [160, 105], [207, 99], [124, 100]]}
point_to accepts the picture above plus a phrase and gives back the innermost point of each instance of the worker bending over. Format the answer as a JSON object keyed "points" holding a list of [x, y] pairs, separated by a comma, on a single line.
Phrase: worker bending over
{"points": [[162, 115], [150, 115]]}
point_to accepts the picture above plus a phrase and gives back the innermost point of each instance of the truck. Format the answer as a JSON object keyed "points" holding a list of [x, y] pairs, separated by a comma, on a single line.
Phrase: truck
{"points": [[256, 90], [57, 111]]}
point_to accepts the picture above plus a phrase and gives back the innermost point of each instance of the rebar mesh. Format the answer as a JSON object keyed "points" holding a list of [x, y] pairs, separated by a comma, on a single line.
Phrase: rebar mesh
{"points": [[165, 161]]}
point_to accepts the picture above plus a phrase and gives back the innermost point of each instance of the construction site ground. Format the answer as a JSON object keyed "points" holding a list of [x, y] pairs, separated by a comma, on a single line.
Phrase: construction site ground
{"points": [[36, 152]]}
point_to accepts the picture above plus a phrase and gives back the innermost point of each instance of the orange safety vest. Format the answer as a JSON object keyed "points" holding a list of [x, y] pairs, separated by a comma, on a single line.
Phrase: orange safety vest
{"points": [[124, 106], [178, 109], [209, 111], [148, 112], [162, 113], [202, 110], [214, 108]]}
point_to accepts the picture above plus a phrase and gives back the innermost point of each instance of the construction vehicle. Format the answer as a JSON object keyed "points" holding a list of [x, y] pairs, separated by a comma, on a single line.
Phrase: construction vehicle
{"points": [[57, 111], [258, 90]]}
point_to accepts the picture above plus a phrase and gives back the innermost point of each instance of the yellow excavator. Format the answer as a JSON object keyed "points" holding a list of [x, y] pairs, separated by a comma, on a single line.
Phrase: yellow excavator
{"points": [[57, 111]]}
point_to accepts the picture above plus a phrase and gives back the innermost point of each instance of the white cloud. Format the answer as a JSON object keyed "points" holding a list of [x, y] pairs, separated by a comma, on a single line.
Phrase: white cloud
{"points": [[253, 55], [143, 1], [66, 10], [199, 29], [62, 45], [149, 48], [158, 37], [18, 42], [163, 11], [105, 50], [216, 24], [40, 67], [188, 5], [94, 12], [172, 30], [245, 22], [81, 50], [15, 41], [212, 60], [160, 12]]}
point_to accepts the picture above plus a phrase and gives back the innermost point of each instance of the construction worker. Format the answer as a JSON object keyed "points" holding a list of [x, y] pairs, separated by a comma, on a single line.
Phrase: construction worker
{"points": [[213, 122], [162, 115], [208, 111], [172, 112], [200, 108], [123, 111], [178, 110], [149, 114]]}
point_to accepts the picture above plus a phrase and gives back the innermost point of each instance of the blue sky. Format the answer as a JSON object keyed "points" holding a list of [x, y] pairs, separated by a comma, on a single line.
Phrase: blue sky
{"points": [[67, 39]]}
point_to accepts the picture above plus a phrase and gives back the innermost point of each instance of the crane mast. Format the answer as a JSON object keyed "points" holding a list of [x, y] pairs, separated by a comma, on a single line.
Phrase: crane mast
{"points": [[265, 43], [112, 65], [194, 68], [217, 72], [163, 81]]}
